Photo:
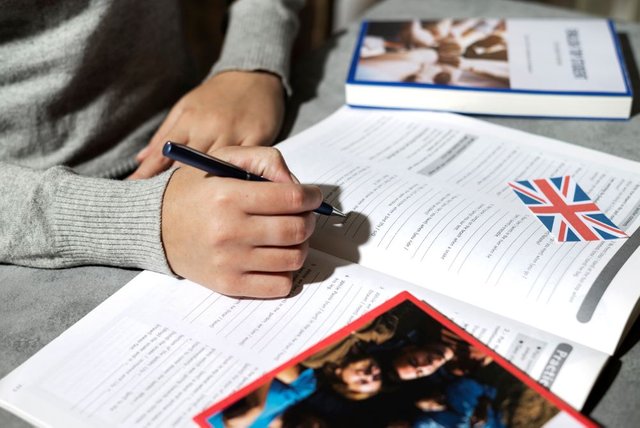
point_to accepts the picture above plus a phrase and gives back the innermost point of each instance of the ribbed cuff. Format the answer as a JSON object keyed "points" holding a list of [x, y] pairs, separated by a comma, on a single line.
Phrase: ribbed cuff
{"points": [[110, 222], [259, 37]]}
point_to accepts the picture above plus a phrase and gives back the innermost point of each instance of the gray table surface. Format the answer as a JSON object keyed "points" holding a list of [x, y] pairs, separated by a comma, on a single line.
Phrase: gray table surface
{"points": [[37, 305]]}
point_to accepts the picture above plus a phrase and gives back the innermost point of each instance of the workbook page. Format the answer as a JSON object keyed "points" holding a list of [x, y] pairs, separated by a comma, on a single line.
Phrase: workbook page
{"points": [[429, 202], [161, 350]]}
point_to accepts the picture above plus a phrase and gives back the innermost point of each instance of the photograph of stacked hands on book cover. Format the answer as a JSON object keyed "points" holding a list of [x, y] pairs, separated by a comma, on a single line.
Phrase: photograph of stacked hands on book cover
{"points": [[492, 66], [468, 52], [401, 365]]}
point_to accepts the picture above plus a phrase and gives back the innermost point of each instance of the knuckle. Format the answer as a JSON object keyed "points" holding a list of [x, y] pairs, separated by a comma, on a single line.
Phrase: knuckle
{"points": [[224, 259], [227, 284], [275, 155], [218, 282], [298, 257], [223, 198], [296, 230], [222, 118], [262, 132], [281, 286], [296, 197], [310, 222], [220, 234], [186, 111]]}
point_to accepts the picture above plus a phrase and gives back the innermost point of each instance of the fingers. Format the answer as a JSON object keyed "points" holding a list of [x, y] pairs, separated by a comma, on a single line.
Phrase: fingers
{"points": [[158, 140], [258, 139], [264, 161], [154, 161], [262, 198], [280, 231], [231, 108], [277, 259], [260, 285], [232, 229], [152, 165], [237, 237], [264, 272]]}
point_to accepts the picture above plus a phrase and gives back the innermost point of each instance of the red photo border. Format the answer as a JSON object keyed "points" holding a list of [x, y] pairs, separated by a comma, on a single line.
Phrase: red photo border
{"points": [[201, 418]]}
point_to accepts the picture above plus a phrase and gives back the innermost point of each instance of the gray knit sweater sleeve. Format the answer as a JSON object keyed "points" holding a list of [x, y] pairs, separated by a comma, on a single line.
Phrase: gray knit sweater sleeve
{"points": [[56, 218], [86, 86], [260, 36]]}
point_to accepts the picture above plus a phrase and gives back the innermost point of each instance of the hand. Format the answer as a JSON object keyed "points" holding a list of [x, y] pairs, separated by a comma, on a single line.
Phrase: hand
{"points": [[240, 238], [229, 109]]}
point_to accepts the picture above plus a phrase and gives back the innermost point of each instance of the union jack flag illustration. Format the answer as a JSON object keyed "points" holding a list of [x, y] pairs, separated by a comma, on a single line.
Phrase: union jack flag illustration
{"points": [[566, 210]]}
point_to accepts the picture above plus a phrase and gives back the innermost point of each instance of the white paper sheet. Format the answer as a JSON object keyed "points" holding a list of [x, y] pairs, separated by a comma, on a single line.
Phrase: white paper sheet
{"points": [[429, 203]]}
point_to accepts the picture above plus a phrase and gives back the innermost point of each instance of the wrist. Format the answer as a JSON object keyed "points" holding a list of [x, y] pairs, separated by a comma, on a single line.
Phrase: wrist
{"points": [[110, 222], [250, 77]]}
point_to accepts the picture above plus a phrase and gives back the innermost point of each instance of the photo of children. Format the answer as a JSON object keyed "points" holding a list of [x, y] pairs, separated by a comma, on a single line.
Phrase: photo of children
{"points": [[401, 369], [463, 52]]}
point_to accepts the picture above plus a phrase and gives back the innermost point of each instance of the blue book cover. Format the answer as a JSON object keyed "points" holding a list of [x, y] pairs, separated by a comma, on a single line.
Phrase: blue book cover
{"points": [[518, 67]]}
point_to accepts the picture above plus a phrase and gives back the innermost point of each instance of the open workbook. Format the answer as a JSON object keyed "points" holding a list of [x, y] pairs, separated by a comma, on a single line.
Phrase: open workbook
{"points": [[430, 211]]}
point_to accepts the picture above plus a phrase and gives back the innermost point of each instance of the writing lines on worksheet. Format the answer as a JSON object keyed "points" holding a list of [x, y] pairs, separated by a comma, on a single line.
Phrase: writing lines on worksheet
{"points": [[456, 212], [256, 325], [159, 369]]}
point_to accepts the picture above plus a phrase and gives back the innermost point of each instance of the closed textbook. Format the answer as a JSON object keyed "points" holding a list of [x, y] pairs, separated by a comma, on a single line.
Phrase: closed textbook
{"points": [[514, 67]]}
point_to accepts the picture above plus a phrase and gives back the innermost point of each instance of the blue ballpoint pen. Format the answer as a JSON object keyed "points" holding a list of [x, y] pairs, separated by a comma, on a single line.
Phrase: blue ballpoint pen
{"points": [[220, 168]]}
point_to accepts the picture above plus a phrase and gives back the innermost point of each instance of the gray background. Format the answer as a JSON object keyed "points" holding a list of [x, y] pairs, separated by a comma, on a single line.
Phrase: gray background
{"points": [[37, 305]]}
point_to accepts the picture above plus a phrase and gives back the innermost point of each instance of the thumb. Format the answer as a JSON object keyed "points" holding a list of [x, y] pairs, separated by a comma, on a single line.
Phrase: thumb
{"points": [[264, 161]]}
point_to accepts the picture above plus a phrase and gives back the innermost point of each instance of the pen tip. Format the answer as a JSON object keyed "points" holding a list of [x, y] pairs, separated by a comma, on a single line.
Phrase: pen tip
{"points": [[339, 213]]}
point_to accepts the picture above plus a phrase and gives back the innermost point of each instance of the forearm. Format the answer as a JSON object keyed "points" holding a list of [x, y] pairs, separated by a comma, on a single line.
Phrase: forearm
{"points": [[260, 36], [56, 218]]}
